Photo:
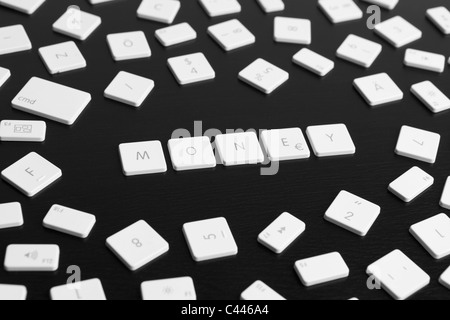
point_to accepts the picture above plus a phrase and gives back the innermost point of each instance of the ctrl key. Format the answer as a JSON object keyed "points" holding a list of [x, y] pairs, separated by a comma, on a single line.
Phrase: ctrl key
{"points": [[30, 258]]}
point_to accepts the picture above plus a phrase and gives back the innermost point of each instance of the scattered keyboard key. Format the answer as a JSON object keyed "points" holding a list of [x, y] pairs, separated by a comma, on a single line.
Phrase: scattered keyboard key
{"points": [[431, 96], [43, 98], [398, 275], [99, 1], [313, 62], [62, 57], [24, 6], [445, 198], [12, 292], [128, 45], [398, 32], [440, 16], [378, 89], [387, 4], [331, 140], [140, 158], [418, 144], [322, 269], [10, 215], [285, 144], [359, 51], [270, 6], [129, 89], [88, 290], [292, 30], [14, 39], [163, 11], [73, 222], [281, 233], [4, 76], [231, 35], [192, 153], [424, 60], [237, 149], [210, 239], [176, 34], [22, 130], [259, 291], [191, 68], [445, 279], [353, 213], [169, 289], [341, 10], [77, 24], [434, 235], [411, 184], [31, 174], [31, 258], [264, 76], [137, 245], [216, 8]]}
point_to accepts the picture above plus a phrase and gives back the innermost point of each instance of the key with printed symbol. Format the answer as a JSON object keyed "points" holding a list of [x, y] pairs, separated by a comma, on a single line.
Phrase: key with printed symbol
{"points": [[340, 10], [231, 35], [418, 144], [137, 245], [216, 8], [285, 144], [12, 292], [236, 149], [330, 140], [411, 184], [62, 57], [444, 279], [87, 290], [445, 198], [163, 11], [22, 131], [169, 289], [129, 89], [424, 60], [146, 157], [25, 6], [440, 16], [191, 68], [313, 62], [72, 222], [77, 24], [398, 275], [281, 233], [431, 96], [398, 32], [128, 45], [270, 6], [14, 39], [31, 258], [292, 30], [176, 34], [264, 76], [10, 215], [259, 291], [387, 4], [378, 89], [360, 51], [191, 153], [5, 74]]}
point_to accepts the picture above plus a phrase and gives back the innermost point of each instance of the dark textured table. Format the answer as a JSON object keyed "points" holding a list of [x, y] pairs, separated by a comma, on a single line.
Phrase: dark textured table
{"points": [[87, 152]]}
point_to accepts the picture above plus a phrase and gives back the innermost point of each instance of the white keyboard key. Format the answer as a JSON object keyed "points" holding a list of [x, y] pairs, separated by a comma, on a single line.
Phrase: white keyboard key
{"points": [[31, 174], [164, 11], [192, 153], [341, 10], [31, 258], [237, 149], [330, 140], [137, 245], [424, 60], [259, 291], [24, 6], [99, 1], [398, 275], [12, 292], [62, 57], [191, 68], [322, 269], [10, 215], [88, 290], [264, 76], [418, 144], [398, 32], [445, 198], [77, 24], [176, 34], [210, 239], [359, 51], [378, 89], [313, 62], [431, 96], [22, 130], [434, 235], [285, 144], [140, 158], [43, 98], [445, 278], [169, 289], [411, 184], [292, 30], [387, 4], [353, 213], [129, 89], [216, 8], [441, 18], [270, 6], [73, 222], [281, 233], [14, 39], [128, 45], [353, 299], [231, 35], [4, 76]]}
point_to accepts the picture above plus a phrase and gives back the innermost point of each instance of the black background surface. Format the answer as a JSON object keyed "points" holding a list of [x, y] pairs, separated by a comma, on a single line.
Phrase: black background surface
{"points": [[92, 181]]}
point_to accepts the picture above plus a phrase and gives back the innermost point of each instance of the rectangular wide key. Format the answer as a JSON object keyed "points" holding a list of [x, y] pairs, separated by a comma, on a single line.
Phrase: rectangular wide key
{"points": [[431, 96], [169, 289], [424, 60], [88, 290], [259, 291], [313, 62], [73, 222], [440, 16], [22, 131], [387, 4], [12, 292], [411, 184], [30, 258], [176, 34]]}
